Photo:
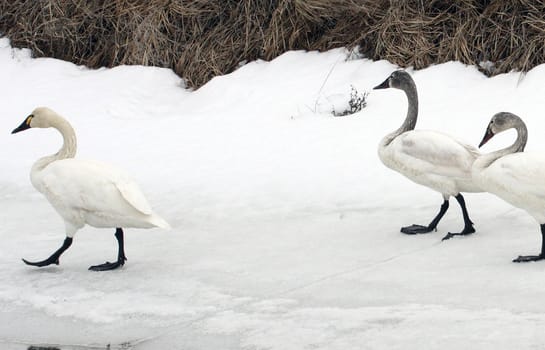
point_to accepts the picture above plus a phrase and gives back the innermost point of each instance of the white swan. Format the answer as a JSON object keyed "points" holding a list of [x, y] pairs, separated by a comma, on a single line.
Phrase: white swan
{"points": [[513, 175], [428, 158], [86, 192]]}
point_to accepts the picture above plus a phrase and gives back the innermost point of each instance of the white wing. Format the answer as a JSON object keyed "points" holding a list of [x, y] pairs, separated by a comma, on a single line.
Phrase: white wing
{"points": [[435, 153], [93, 186]]}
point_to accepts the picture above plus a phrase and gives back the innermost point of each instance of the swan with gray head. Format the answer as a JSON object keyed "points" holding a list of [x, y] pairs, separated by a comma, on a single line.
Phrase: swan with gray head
{"points": [[513, 175], [85, 191], [429, 158]]}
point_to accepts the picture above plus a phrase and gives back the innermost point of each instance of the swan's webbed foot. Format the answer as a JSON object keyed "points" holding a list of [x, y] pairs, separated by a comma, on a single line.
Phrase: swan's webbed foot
{"points": [[468, 224], [120, 255], [416, 229], [466, 231], [108, 265], [528, 258], [54, 258], [541, 256], [51, 260], [419, 229]]}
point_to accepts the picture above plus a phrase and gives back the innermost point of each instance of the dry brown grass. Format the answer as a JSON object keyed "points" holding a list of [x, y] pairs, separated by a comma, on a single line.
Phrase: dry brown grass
{"points": [[200, 39]]}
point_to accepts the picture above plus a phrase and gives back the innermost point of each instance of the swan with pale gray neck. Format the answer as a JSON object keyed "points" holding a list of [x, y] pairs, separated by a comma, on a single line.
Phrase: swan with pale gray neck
{"points": [[513, 175], [429, 158]]}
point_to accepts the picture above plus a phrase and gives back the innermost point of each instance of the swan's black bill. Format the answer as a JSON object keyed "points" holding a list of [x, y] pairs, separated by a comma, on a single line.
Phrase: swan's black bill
{"points": [[385, 84], [24, 125], [487, 136]]}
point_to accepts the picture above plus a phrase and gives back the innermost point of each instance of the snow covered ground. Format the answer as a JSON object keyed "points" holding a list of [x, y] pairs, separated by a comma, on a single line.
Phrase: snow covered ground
{"points": [[285, 222]]}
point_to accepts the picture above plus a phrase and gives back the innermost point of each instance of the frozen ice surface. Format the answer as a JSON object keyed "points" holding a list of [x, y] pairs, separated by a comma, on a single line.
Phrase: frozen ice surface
{"points": [[285, 223]]}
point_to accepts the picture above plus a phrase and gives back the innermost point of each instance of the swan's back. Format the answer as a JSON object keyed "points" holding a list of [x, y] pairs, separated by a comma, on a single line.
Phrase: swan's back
{"points": [[85, 191]]}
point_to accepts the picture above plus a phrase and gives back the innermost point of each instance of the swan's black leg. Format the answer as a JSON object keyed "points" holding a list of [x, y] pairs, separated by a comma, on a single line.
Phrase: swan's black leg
{"points": [[468, 224], [120, 255], [526, 258], [54, 258], [416, 229]]}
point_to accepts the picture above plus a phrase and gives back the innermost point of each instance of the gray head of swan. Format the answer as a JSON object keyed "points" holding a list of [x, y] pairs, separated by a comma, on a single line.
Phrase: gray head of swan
{"points": [[398, 80], [504, 121], [41, 117]]}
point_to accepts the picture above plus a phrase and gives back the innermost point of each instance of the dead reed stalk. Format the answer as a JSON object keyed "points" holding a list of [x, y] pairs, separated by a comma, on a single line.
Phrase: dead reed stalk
{"points": [[200, 39]]}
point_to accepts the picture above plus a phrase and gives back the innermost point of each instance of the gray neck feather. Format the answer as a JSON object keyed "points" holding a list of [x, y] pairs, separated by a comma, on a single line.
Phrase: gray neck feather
{"points": [[522, 137], [520, 142], [412, 111], [517, 146]]}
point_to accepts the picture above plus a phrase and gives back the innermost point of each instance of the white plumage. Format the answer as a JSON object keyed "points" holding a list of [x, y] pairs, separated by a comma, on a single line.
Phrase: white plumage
{"points": [[93, 193], [429, 158], [432, 159], [513, 175], [519, 179], [85, 191]]}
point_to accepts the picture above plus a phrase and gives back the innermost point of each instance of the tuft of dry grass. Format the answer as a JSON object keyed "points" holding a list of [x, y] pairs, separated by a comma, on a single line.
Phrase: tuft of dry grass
{"points": [[200, 39]]}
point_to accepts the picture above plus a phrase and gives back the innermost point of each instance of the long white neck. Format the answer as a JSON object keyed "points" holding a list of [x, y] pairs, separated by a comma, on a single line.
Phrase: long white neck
{"points": [[518, 146], [412, 112], [69, 146]]}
